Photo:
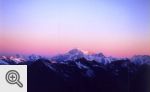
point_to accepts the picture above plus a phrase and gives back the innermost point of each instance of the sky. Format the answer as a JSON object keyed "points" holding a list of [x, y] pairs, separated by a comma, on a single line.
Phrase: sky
{"points": [[47, 27]]}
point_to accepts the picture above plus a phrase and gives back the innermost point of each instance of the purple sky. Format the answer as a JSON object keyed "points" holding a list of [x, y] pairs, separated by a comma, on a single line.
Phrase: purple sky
{"points": [[48, 27]]}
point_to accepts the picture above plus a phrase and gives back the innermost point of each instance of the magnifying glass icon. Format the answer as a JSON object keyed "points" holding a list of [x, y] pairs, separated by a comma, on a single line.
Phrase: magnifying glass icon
{"points": [[13, 77]]}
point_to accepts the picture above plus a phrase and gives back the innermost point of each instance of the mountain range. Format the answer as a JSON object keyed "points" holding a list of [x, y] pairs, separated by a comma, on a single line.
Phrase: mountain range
{"points": [[73, 55], [80, 71]]}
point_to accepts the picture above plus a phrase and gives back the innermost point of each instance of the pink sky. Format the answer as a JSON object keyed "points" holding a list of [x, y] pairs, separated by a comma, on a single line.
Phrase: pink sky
{"points": [[51, 27]]}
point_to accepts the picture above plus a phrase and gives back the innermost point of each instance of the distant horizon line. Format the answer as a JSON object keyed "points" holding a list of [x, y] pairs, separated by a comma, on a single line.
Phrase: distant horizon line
{"points": [[52, 55]]}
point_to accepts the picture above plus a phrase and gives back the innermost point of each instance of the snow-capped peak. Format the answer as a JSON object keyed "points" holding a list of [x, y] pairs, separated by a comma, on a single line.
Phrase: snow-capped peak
{"points": [[16, 59], [75, 51], [77, 54], [80, 51], [98, 55], [141, 59]]}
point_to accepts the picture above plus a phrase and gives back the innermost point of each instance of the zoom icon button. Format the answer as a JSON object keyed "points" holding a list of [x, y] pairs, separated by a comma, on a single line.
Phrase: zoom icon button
{"points": [[13, 77]]}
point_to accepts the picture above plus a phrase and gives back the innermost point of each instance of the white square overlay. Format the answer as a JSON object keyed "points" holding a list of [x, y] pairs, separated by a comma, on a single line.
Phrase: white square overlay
{"points": [[7, 87]]}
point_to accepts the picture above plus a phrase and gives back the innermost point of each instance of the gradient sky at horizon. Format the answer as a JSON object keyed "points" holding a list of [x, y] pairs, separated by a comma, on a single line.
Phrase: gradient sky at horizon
{"points": [[47, 27]]}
